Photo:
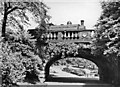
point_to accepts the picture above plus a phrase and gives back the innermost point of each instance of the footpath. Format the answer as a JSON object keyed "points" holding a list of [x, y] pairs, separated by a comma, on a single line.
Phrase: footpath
{"points": [[59, 78]]}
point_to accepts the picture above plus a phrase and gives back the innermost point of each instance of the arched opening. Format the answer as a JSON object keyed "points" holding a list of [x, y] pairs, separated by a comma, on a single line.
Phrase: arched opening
{"points": [[73, 69], [100, 61]]}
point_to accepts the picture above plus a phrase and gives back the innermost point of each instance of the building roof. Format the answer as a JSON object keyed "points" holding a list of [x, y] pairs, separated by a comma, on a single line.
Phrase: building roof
{"points": [[65, 27]]}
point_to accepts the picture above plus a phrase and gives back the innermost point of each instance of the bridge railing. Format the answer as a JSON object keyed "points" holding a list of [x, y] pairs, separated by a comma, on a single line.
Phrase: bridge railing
{"points": [[84, 36]]}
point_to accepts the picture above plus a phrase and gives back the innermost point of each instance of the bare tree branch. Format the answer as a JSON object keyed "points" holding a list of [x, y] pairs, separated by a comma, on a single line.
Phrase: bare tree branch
{"points": [[9, 6]]}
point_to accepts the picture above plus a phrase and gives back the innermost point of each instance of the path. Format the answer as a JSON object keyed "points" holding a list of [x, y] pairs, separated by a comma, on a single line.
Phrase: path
{"points": [[60, 78]]}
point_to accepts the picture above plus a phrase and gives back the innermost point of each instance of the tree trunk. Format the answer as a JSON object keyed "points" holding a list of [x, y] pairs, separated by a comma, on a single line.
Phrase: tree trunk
{"points": [[4, 20]]}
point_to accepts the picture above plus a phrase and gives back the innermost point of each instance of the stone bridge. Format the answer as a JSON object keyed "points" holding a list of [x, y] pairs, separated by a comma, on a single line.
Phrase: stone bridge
{"points": [[77, 35]]}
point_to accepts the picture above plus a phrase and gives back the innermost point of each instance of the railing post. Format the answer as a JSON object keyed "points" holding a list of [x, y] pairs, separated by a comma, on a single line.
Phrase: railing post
{"points": [[68, 35], [72, 36]]}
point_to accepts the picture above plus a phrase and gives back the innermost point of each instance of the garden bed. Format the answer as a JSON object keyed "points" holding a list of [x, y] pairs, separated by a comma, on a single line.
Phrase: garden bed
{"points": [[74, 71], [80, 72]]}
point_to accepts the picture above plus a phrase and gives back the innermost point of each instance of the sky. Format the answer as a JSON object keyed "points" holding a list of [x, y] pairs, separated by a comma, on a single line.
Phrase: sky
{"points": [[74, 11], [62, 11]]}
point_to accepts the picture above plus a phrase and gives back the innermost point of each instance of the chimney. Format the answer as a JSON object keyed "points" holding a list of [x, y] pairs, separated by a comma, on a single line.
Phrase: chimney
{"points": [[82, 22]]}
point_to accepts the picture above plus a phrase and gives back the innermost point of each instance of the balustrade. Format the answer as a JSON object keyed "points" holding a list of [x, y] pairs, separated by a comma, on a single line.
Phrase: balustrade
{"points": [[69, 35]]}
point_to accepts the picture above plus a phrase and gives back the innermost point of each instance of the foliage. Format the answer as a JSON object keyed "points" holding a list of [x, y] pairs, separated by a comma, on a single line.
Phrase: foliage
{"points": [[18, 16], [57, 48], [64, 48], [19, 54], [107, 38], [15, 14], [18, 57], [77, 62], [107, 35]]}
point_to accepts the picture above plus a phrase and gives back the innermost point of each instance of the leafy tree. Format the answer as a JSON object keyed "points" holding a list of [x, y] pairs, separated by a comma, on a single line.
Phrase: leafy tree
{"points": [[15, 12], [107, 38], [18, 54], [108, 33], [18, 58]]}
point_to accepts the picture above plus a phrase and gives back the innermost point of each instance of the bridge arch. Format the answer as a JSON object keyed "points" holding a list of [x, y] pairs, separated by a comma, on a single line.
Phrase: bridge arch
{"points": [[99, 60]]}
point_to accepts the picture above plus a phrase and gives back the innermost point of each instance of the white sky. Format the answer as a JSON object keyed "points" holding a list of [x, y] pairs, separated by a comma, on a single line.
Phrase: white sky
{"points": [[74, 10]]}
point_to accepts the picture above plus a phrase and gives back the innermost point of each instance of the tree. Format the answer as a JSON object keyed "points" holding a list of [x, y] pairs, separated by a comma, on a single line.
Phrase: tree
{"points": [[107, 29], [107, 38], [12, 11], [15, 16], [18, 52], [19, 60]]}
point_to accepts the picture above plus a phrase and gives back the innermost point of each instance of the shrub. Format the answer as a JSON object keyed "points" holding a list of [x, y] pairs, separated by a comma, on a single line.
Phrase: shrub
{"points": [[18, 58]]}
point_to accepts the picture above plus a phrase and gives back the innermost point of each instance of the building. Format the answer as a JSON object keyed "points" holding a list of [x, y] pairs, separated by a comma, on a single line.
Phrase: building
{"points": [[69, 26]]}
